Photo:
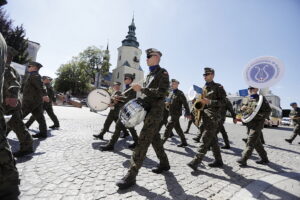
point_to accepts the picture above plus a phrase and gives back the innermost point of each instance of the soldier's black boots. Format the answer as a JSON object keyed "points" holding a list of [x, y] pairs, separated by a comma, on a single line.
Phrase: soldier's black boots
{"points": [[132, 146], [226, 146], [288, 140], [54, 126], [242, 162], [196, 139], [22, 153], [99, 136], [193, 164], [126, 182], [183, 144], [106, 148], [216, 163], [39, 135], [262, 161], [160, 169]]}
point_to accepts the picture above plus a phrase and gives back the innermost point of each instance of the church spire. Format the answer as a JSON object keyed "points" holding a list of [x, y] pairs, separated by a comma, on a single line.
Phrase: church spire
{"points": [[130, 38]]}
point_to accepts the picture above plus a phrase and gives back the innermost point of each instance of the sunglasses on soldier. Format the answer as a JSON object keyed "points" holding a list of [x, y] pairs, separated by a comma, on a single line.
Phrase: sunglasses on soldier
{"points": [[207, 74], [150, 55]]}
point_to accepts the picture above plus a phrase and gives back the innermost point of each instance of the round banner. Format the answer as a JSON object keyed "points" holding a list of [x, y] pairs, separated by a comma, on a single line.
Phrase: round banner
{"points": [[263, 72]]}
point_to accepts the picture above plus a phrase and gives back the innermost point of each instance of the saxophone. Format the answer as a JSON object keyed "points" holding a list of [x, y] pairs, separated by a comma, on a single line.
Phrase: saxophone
{"points": [[198, 107]]}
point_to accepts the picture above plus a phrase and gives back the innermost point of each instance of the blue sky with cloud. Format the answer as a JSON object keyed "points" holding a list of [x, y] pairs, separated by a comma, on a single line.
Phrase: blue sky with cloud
{"points": [[192, 34]]}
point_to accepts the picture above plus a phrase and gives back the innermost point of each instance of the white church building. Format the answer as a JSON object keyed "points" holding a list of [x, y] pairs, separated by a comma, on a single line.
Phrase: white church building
{"points": [[129, 58]]}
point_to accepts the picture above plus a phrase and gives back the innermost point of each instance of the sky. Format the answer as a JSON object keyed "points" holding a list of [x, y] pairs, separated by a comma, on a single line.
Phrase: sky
{"points": [[191, 34]]}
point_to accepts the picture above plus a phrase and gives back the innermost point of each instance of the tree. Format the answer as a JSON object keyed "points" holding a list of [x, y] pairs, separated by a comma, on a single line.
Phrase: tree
{"points": [[15, 37]]}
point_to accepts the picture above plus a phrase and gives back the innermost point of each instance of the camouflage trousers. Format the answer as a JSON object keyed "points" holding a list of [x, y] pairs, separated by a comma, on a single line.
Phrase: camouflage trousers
{"points": [[149, 135], [208, 138], [165, 119], [38, 113], [174, 123], [49, 110], [295, 132], [192, 120], [254, 140], [116, 134], [17, 125], [9, 176], [112, 116], [223, 132]]}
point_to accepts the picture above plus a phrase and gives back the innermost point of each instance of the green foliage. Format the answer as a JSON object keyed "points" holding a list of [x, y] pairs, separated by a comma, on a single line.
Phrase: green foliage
{"points": [[80, 72], [15, 37]]}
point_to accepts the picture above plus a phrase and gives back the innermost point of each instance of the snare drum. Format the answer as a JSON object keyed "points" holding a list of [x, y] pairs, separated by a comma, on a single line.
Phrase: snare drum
{"points": [[132, 113], [98, 99]]}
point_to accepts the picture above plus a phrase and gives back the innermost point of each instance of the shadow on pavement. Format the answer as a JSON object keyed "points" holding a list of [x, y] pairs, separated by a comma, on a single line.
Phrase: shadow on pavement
{"points": [[282, 149]]}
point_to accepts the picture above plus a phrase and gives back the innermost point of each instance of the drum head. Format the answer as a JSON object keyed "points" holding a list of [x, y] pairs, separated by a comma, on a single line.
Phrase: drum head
{"points": [[98, 99]]}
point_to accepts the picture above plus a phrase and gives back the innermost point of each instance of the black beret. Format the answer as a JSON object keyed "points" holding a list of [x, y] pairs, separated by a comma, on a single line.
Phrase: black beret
{"points": [[32, 63], [152, 50]]}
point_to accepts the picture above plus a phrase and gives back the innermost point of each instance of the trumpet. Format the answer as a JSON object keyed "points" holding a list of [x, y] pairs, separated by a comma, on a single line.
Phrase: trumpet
{"points": [[198, 107]]}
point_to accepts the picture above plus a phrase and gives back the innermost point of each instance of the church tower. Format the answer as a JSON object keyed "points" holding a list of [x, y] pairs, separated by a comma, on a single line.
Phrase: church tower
{"points": [[129, 58]]}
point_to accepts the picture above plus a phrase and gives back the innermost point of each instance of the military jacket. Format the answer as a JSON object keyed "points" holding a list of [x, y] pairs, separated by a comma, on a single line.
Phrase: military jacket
{"points": [[227, 106], [296, 114], [178, 100], [50, 93], [217, 96], [156, 87], [34, 89], [264, 111], [11, 86]]}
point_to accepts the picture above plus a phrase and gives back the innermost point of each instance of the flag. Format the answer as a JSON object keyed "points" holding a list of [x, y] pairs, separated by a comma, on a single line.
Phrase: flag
{"points": [[197, 89], [243, 93]]}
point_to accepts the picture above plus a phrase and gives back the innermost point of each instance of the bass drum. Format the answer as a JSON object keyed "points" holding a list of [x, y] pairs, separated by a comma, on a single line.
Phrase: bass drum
{"points": [[133, 113], [98, 100]]}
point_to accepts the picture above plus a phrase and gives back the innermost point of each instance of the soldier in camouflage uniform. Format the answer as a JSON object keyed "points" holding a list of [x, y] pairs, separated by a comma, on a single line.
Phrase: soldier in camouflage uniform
{"points": [[11, 90], [213, 99], [175, 111], [113, 113], [9, 176], [223, 110], [47, 106], [155, 90], [127, 95], [34, 94], [295, 116], [255, 126]]}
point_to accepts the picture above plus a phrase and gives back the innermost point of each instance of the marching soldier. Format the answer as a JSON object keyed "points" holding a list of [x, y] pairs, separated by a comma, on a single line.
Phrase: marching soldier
{"points": [[155, 90], [223, 110], [47, 106], [9, 181], [129, 94], [113, 113], [12, 106], [295, 116], [212, 101], [34, 94], [255, 127], [175, 111]]}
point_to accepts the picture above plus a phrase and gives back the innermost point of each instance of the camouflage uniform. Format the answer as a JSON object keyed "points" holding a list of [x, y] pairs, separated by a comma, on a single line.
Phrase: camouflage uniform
{"points": [[33, 91], [255, 127], [223, 110], [155, 93], [47, 106], [112, 116], [295, 113], [131, 94], [175, 111], [210, 121], [11, 89], [9, 176]]}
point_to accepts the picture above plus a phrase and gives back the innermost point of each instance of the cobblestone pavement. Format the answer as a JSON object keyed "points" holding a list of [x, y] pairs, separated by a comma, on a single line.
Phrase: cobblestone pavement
{"points": [[68, 165]]}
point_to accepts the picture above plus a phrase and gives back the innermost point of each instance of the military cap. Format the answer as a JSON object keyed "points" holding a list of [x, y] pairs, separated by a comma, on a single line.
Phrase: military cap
{"points": [[131, 76], [174, 80], [32, 63], [46, 77], [209, 70], [11, 51], [293, 103], [251, 87], [152, 50], [117, 83]]}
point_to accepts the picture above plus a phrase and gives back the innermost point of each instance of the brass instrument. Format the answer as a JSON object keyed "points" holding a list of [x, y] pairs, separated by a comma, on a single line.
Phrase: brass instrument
{"points": [[198, 107]]}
